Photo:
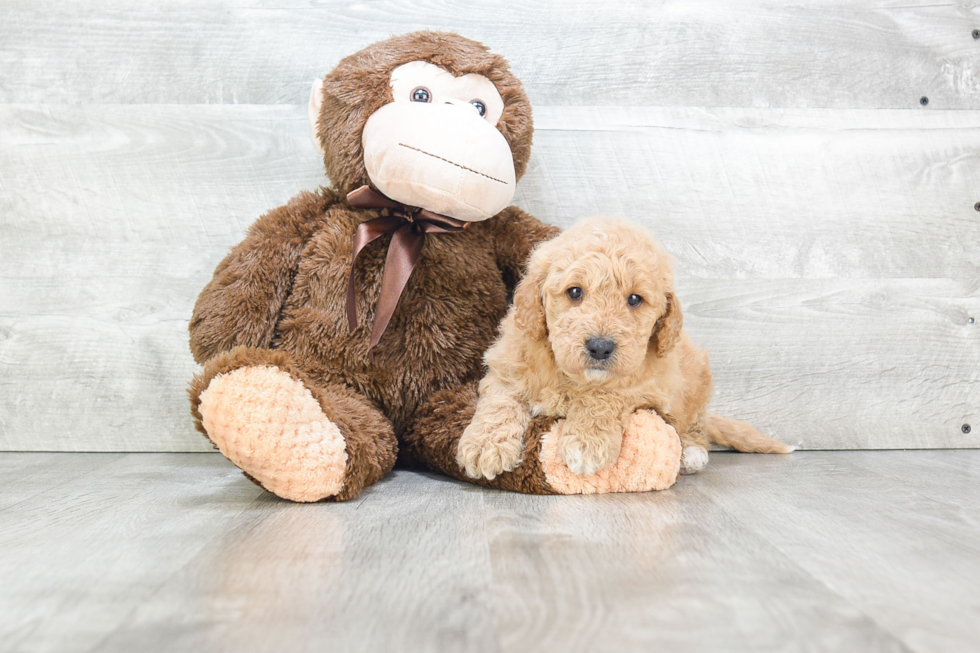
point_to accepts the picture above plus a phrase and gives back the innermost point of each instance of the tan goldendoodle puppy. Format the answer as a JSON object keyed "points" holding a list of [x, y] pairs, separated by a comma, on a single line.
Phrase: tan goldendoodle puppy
{"points": [[595, 333]]}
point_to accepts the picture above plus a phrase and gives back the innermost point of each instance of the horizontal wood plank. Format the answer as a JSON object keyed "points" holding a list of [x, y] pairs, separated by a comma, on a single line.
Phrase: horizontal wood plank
{"points": [[732, 193], [737, 193], [835, 53], [843, 364]]}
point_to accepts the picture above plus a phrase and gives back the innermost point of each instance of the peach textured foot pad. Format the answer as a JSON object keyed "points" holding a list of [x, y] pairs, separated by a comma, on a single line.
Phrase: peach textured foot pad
{"points": [[649, 460], [269, 425]]}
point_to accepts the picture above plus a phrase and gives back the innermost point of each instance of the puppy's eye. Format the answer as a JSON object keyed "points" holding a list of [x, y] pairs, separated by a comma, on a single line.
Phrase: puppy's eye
{"points": [[421, 94], [482, 108], [574, 293], [634, 300]]}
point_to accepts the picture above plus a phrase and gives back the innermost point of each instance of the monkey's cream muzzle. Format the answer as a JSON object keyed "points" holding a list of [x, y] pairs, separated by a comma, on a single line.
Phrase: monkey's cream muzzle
{"points": [[441, 157]]}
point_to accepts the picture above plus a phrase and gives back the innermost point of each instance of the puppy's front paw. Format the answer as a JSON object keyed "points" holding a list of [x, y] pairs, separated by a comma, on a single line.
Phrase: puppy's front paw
{"points": [[584, 456], [693, 459], [485, 453]]}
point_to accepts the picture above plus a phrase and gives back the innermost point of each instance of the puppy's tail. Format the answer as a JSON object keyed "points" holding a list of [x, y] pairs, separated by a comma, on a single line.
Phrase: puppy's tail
{"points": [[742, 437]]}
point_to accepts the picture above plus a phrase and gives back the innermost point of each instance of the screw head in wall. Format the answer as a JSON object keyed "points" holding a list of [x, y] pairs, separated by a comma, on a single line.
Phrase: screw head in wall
{"points": [[976, 207], [976, 33], [923, 100], [965, 428]]}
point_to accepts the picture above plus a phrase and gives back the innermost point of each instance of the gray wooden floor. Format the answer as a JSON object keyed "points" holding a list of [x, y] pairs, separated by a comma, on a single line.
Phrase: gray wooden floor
{"points": [[828, 551]]}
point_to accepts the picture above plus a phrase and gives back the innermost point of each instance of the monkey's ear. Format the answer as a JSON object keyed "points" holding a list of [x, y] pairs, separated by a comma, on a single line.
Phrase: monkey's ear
{"points": [[529, 305], [316, 99], [668, 328]]}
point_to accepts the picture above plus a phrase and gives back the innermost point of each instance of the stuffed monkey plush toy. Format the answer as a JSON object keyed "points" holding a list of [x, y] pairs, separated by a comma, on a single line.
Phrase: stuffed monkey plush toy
{"points": [[348, 328]]}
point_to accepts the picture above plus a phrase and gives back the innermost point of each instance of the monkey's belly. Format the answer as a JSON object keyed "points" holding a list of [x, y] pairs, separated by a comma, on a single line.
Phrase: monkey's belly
{"points": [[445, 319]]}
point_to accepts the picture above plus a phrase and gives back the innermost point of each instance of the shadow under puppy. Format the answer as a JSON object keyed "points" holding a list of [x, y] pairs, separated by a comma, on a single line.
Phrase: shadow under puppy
{"points": [[596, 333]]}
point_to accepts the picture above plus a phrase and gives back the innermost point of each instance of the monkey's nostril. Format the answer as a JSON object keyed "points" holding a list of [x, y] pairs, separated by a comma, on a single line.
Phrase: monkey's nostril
{"points": [[600, 348]]}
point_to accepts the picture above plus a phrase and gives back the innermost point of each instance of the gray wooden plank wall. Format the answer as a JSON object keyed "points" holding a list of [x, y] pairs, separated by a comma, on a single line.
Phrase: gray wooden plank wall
{"points": [[822, 218]]}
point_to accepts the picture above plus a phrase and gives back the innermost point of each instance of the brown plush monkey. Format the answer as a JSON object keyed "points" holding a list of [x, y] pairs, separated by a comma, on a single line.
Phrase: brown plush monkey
{"points": [[356, 317]]}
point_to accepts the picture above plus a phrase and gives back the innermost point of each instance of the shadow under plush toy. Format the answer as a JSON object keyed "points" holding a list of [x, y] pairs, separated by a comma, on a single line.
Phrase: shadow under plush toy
{"points": [[348, 328]]}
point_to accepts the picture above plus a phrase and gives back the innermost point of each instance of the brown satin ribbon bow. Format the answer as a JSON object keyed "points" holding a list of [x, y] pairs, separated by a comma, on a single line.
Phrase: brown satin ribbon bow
{"points": [[407, 226]]}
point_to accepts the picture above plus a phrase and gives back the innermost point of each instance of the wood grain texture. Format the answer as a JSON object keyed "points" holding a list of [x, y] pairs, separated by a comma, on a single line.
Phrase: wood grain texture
{"points": [[404, 568], [843, 364], [815, 54], [815, 551], [112, 221], [27, 475], [77, 558], [774, 193], [181, 552], [902, 558], [827, 259], [744, 193], [661, 571]]}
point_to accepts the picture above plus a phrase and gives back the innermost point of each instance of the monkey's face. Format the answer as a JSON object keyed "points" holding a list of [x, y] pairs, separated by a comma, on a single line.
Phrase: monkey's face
{"points": [[431, 119], [436, 144]]}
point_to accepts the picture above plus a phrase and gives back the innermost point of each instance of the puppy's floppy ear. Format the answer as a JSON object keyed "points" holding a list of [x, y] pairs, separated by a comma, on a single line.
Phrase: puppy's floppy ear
{"points": [[529, 304], [668, 327]]}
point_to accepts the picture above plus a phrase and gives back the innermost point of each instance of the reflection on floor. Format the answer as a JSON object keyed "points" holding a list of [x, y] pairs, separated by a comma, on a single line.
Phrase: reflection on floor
{"points": [[822, 551]]}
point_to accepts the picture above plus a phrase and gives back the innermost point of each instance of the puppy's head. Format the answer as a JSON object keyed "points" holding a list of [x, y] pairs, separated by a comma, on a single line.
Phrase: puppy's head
{"points": [[600, 295]]}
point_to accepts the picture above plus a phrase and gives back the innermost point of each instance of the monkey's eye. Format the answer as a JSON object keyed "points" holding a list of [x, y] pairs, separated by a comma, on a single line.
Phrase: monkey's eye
{"points": [[574, 293], [634, 300], [421, 94], [482, 108]]}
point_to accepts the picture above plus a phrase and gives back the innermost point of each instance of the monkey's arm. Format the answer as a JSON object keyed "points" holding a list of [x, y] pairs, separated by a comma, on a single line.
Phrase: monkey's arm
{"points": [[516, 234], [241, 303]]}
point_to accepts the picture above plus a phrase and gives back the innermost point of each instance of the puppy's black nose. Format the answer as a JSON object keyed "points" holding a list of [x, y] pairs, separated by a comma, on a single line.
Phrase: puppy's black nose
{"points": [[600, 348]]}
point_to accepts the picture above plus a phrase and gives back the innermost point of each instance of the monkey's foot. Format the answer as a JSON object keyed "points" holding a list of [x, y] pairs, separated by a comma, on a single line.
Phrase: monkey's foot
{"points": [[270, 426], [648, 460]]}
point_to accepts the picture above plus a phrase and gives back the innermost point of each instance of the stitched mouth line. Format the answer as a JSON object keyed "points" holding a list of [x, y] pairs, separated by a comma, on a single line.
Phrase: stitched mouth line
{"points": [[436, 156]]}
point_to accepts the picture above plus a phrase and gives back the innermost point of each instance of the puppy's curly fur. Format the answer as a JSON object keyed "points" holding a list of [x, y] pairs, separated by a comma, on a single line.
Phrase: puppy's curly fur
{"points": [[542, 365]]}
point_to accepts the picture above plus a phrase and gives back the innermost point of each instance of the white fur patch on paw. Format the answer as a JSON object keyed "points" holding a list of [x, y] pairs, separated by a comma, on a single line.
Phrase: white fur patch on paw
{"points": [[575, 460], [693, 459]]}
